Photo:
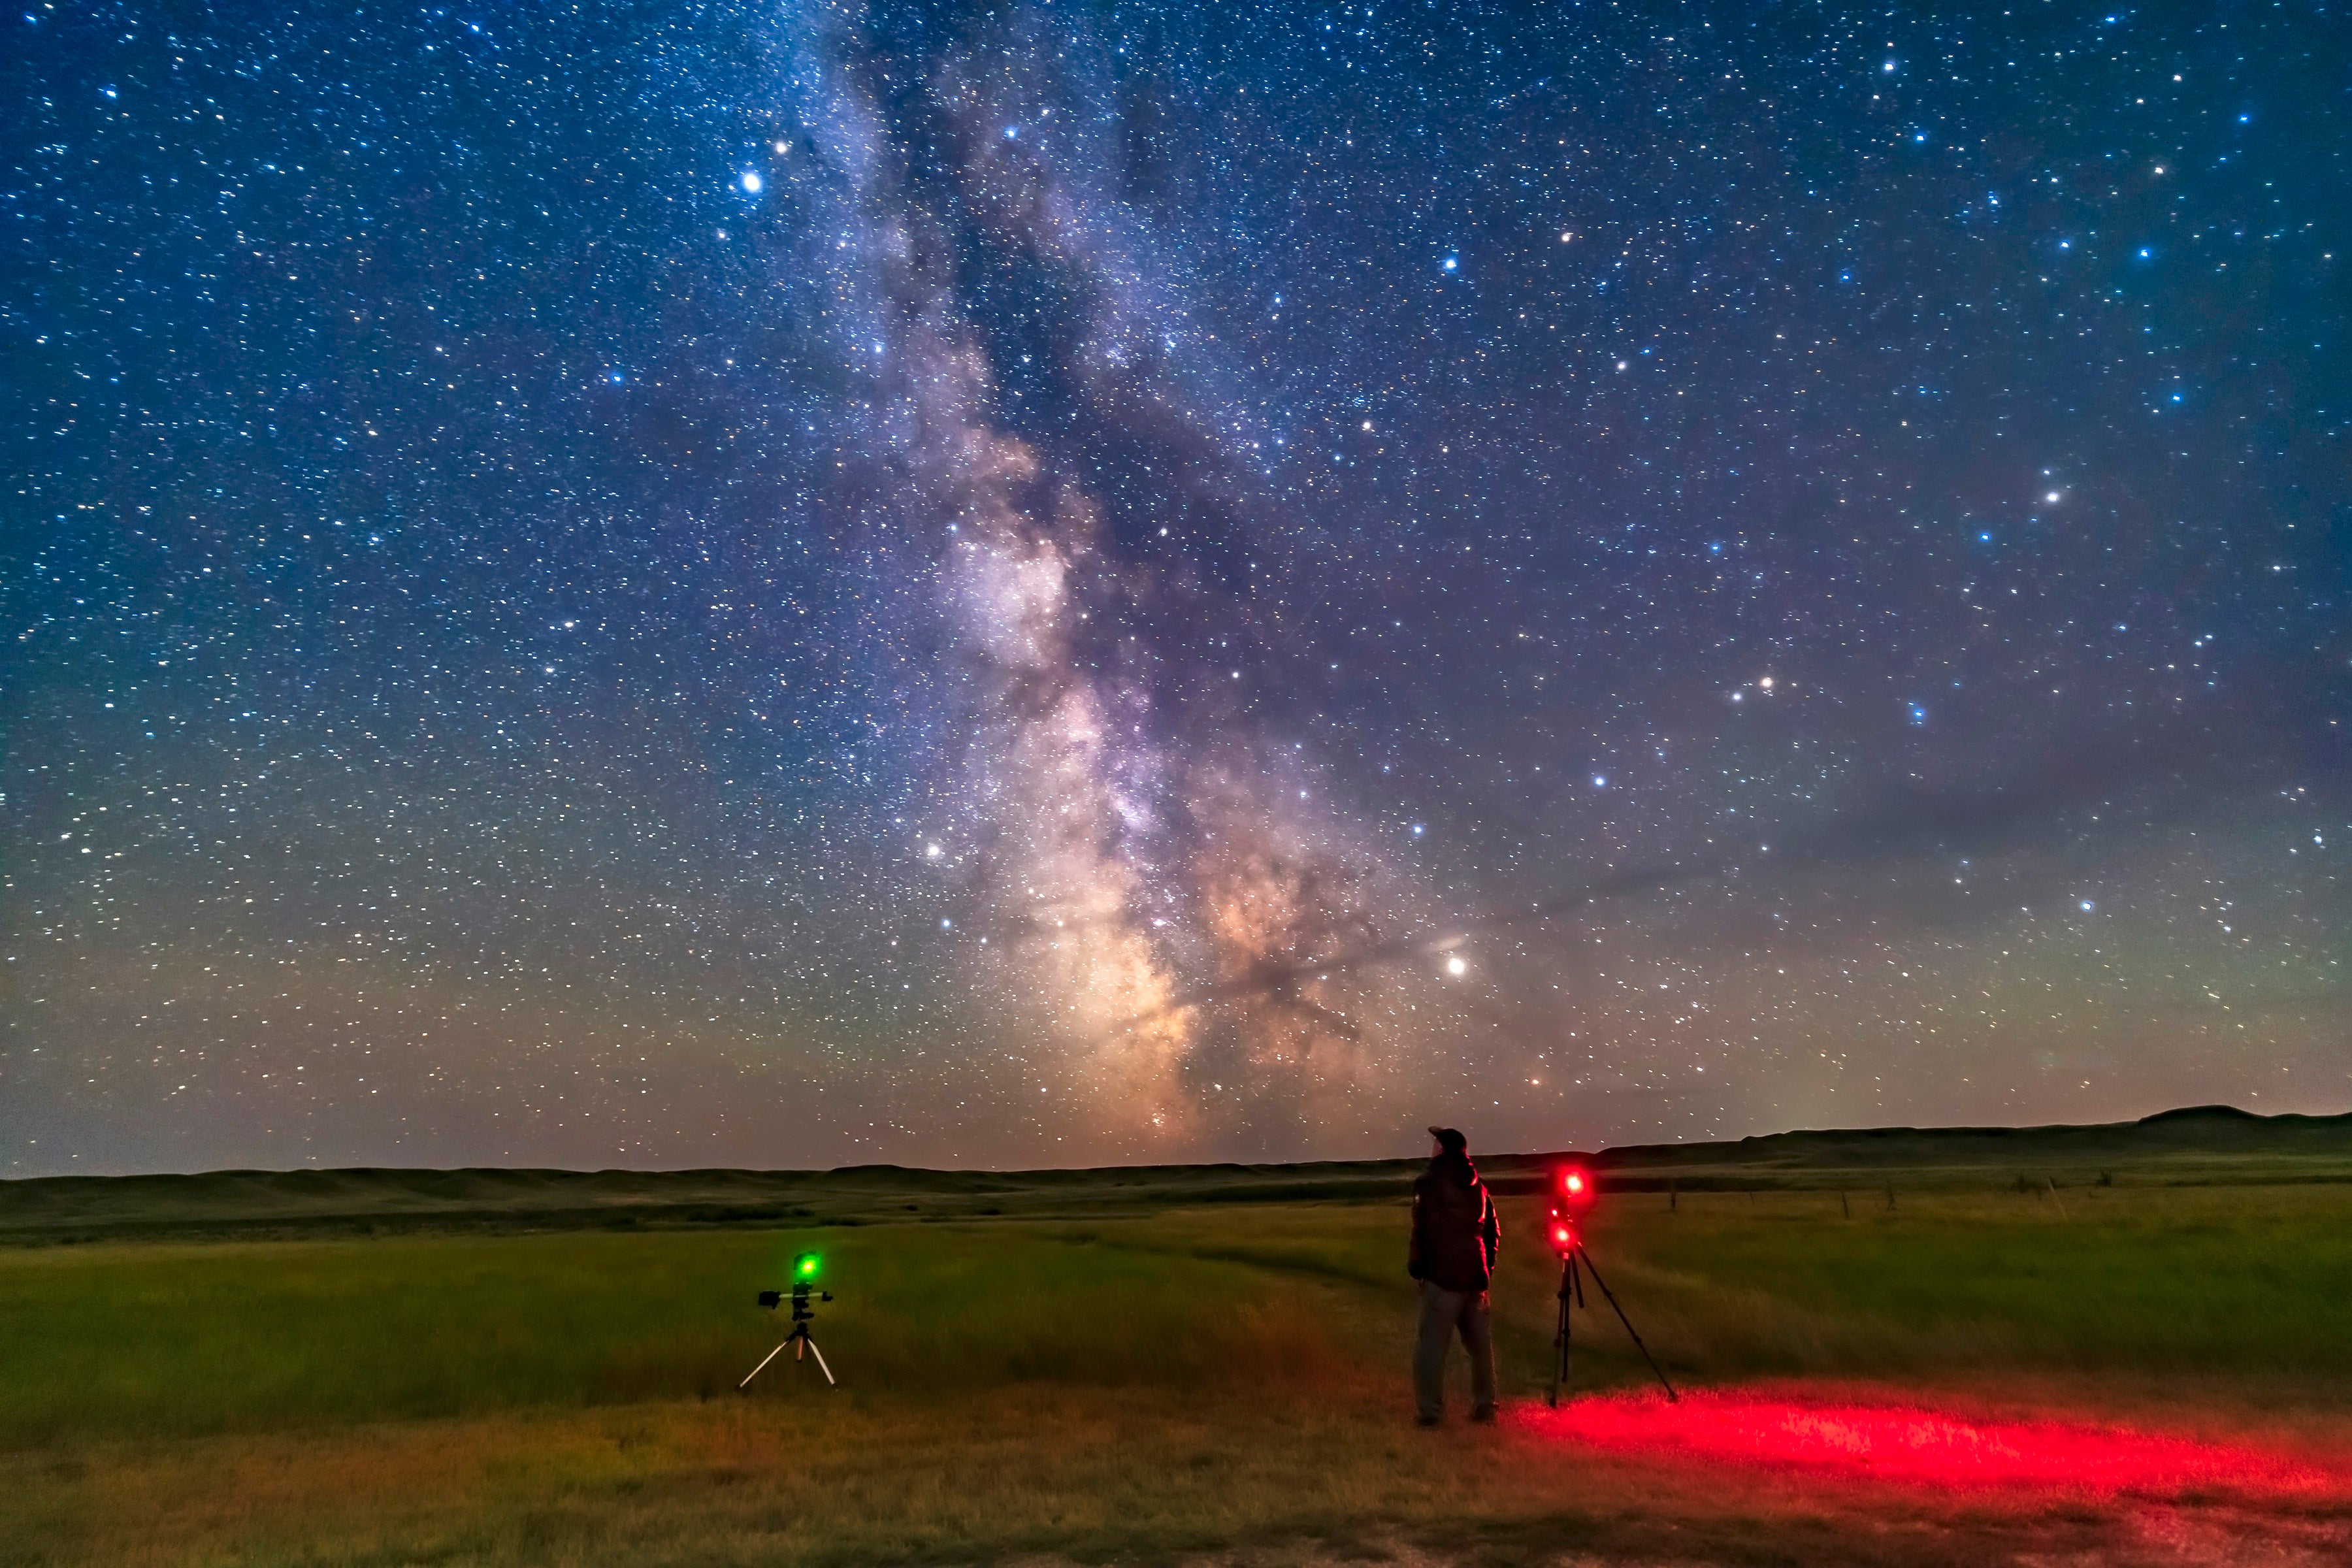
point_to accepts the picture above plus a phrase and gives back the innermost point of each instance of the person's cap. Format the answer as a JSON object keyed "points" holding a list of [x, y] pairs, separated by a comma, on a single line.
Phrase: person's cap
{"points": [[1450, 1140]]}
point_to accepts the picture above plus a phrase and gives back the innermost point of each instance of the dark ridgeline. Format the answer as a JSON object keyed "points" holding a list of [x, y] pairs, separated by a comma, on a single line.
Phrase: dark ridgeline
{"points": [[2194, 1145]]}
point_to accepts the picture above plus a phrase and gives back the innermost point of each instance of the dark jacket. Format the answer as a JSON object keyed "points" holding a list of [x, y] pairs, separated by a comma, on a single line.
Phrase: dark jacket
{"points": [[1454, 1231]]}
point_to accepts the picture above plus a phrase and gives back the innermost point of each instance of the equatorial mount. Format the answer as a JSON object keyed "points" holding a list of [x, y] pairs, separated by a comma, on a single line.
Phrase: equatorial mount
{"points": [[802, 1295]]}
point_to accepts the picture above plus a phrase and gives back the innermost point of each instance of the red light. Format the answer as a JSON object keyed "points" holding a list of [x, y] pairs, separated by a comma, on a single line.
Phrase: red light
{"points": [[1575, 1188], [1907, 1444], [1575, 1182]]}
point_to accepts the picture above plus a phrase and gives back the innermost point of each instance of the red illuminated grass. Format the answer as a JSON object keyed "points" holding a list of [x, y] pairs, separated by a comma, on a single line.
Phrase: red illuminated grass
{"points": [[1912, 1446]]}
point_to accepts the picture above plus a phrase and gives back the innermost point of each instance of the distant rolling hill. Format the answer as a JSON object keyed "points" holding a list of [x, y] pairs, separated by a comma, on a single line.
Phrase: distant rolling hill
{"points": [[2196, 1131], [2201, 1144]]}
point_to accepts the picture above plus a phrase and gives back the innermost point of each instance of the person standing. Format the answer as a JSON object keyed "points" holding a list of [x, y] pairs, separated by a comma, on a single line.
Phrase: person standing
{"points": [[1454, 1239]]}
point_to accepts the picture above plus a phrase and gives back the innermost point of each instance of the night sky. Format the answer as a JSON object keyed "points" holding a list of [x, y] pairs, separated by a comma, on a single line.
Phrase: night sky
{"points": [[670, 585]]}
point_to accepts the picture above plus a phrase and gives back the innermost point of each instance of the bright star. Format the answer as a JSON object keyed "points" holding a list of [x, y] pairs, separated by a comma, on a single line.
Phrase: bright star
{"points": [[752, 182], [1454, 966]]}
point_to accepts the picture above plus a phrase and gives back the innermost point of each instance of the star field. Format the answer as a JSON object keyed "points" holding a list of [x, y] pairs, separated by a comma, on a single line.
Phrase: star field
{"points": [[668, 584]]}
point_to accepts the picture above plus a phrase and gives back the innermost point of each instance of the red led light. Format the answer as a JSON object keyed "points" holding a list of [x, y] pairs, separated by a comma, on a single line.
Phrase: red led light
{"points": [[1573, 1194]]}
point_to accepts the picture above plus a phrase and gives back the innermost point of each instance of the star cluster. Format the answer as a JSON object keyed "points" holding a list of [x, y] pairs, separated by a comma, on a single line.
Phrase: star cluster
{"points": [[673, 584]]}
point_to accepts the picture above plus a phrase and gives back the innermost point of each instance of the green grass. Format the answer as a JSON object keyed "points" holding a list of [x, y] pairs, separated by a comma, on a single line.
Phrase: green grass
{"points": [[1222, 1378], [2243, 1280], [261, 1336]]}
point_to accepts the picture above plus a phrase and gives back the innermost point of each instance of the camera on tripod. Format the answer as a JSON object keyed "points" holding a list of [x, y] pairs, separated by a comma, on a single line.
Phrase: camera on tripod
{"points": [[1573, 1190], [803, 1294]]}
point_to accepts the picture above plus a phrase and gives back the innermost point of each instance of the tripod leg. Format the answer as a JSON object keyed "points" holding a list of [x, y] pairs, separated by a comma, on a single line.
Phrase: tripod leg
{"points": [[1571, 1293], [820, 1363], [762, 1367], [1611, 1296], [1573, 1287], [1559, 1341]]}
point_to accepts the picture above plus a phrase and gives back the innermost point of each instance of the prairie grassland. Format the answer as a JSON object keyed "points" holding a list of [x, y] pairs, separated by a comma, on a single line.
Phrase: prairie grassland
{"points": [[1152, 1386]]}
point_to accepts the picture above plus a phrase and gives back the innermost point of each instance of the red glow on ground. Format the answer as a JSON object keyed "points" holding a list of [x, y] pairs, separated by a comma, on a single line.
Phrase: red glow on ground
{"points": [[1912, 1446]]}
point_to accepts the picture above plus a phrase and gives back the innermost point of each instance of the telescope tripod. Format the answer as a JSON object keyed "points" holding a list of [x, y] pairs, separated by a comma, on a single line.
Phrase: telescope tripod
{"points": [[1572, 1285], [799, 1339]]}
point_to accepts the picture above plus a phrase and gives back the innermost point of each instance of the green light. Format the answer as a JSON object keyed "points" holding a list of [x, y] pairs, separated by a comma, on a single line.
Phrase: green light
{"points": [[805, 1264]]}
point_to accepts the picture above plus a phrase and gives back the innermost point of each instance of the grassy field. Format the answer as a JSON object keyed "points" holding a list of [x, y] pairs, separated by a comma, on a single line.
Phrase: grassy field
{"points": [[1222, 1381]]}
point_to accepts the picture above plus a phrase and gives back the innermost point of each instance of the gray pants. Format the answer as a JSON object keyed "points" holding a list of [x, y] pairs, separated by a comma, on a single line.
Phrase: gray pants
{"points": [[1442, 1313]]}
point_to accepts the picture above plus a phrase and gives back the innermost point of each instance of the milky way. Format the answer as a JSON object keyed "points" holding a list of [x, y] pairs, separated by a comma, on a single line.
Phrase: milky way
{"points": [[697, 586]]}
